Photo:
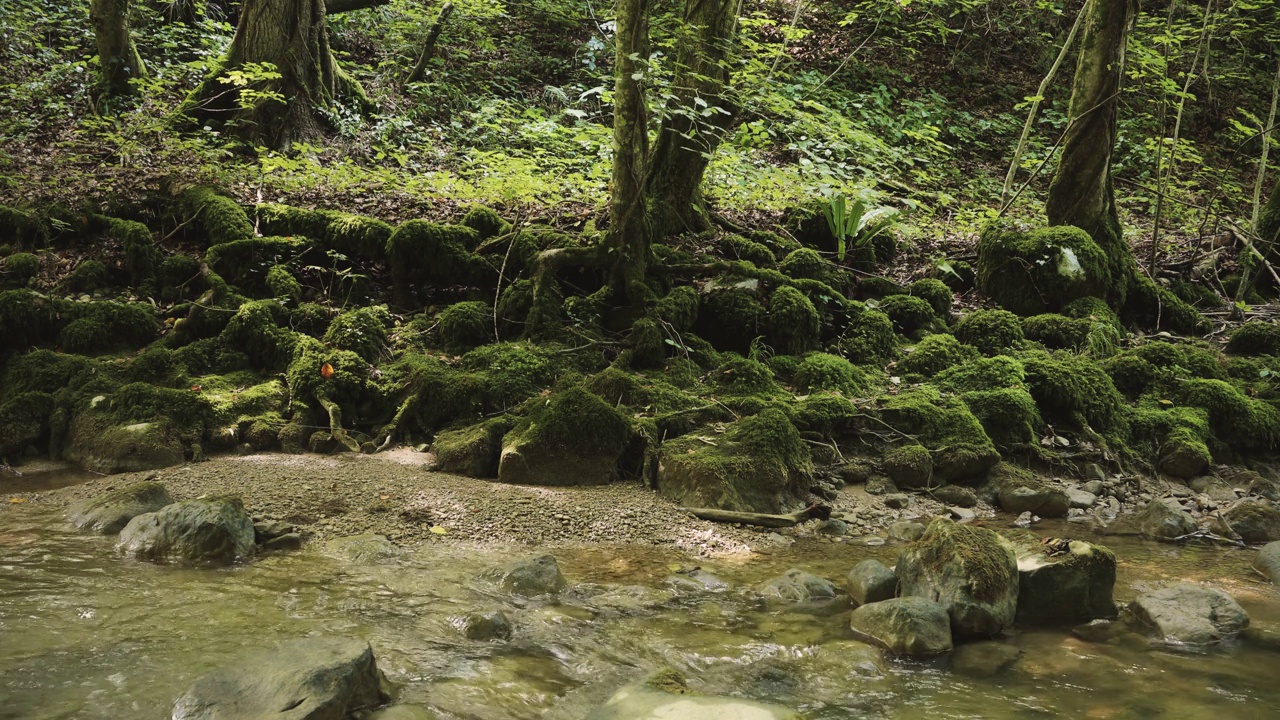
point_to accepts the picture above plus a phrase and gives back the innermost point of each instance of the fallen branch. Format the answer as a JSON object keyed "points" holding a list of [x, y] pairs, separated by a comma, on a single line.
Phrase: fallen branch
{"points": [[428, 47], [818, 512]]}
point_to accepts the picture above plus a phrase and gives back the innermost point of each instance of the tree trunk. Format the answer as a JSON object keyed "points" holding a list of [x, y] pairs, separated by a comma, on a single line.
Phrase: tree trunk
{"points": [[292, 36], [697, 119], [117, 54], [1081, 193], [628, 237]]}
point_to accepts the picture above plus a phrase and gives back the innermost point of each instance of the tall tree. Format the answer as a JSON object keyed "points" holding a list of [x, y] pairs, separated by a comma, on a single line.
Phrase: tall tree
{"points": [[287, 74], [697, 119], [118, 58], [1081, 193]]}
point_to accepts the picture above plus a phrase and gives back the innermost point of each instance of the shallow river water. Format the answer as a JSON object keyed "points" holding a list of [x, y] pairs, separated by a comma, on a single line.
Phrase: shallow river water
{"points": [[86, 635]]}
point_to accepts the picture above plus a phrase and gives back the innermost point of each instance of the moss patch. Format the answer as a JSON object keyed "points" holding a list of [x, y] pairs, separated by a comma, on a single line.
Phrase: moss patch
{"points": [[934, 354], [992, 332], [794, 324], [1041, 270]]}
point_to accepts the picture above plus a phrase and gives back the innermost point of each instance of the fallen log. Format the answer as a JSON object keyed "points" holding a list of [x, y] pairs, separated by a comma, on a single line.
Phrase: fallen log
{"points": [[816, 511]]}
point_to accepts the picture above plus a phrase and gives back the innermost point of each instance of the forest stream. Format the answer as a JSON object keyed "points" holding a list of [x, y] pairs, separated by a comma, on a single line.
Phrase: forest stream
{"points": [[89, 635]]}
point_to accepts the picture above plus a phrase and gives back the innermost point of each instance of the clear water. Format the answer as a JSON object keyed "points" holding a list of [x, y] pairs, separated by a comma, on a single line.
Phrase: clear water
{"points": [[86, 635]]}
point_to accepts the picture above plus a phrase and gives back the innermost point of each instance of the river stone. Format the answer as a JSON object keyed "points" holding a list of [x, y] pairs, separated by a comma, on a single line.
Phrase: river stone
{"points": [[1156, 520], [107, 515], [911, 626], [485, 626], [1066, 589], [309, 679], [665, 696], [956, 495], [871, 581], [984, 659], [896, 501], [1254, 521], [971, 571], [1188, 614], [366, 549], [906, 531], [539, 575], [797, 586], [1268, 561], [1034, 497], [215, 530], [1081, 498]]}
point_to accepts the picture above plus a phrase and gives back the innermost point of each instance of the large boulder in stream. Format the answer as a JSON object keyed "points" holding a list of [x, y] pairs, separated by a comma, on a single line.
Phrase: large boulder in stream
{"points": [[910, 626], [107, 515], [575, 438], [539, 575], [665, 696], [1156, 521], [1255, 521], [1066, 588], [871, 581], [1187, 614], [797, 586], [970, 571], [210, 530], [1268, 561], [310, 679]]}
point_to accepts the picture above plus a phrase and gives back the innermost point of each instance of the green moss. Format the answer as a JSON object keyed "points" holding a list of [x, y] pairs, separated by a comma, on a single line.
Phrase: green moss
{"points": [[423, 254], [784, 367], [828, 414], [794, 324], [806, 264], [1057, 332], [1094, 309], [288, 221], [357, 237], [362, 331], [992, 332], [26, 318], [935, 292], [648, 344], [731, 319], [23, 228], [742, 376], [1071, 389], [647, 395], [220, 219], [486, 222], [45, 371], [779, 244], [345, 382], [210, 355], [283, 285], [1255, 338], [740, 248], [879, 287], [96, 327], [256, 330], [577, 421], [807, 222], [188, 412], [473, 451], [961, 448], [244, 263], [513, 308], [1197, 295], [311, 319], [992, 373], [1008, 415], [909, 466], [178, 276], [1131, 374], [868, 339], [461, 327], [908, 313], [87, 277], [441, 395], [679, 308], [771, 435], [1041, 270], [949, 549], [24, 420], [513, 372], [957, 275], [1244, 424], [19, 269], [820, 371], [1153, 306], [934, 354]]}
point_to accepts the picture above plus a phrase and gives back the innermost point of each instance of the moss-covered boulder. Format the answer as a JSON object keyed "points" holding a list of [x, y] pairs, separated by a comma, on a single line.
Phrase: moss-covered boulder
{"points": [[218, 218], [212, 530], [1041, 270], [1255, 338], [362, 331], [486, 222], [961, 449], [1057, 332], [908, 313], [24, 421], [473, 451], [1242, 423], [935, 292], [1072, 390], [971, 571], [1008, 415], [868, 337], [19, 269], [1184, 454], [992, 332], [424, 254], [1255, 521], [934, 354], [731, 319], [821, 371], [574, 438], [1067, 588], [759, 465], [909, 466], [793, 322], [1018, 490], [108, 514], [987, 373], [100, 444], [461, 327]]}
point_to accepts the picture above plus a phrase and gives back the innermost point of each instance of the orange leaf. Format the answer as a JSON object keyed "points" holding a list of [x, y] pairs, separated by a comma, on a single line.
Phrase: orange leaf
{"points": [[326, 371]]}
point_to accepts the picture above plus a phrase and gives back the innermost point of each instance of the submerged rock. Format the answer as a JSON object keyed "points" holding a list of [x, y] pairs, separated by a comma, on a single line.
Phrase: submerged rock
{"points": [[538, 575], [906, 531], [310, 679], [984, 659], [797, 586], [110, 513], [911, 626], [871, 581], [1254, 521], [403, 712], [367, 549], [1268, 561], [1157, 521], [971, 571], [665, 696], [1188, 614], [1066, 589], [485, 626], [215, 530]]}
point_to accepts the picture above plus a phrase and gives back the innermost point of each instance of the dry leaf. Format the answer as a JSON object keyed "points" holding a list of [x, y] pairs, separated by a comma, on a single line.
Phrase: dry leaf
{"points": [[326, 371]]}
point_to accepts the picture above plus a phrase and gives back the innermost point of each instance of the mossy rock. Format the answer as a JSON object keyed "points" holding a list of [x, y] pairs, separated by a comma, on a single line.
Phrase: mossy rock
{"points": [[1067, 589], [24, 421], [821, 371], [19, 269], [1184, 454], [960, 447], [741, 248], [97, 327], [731, 319], [87, 277], [1255, 338], [283, 285], [934, 354], [219, 218], [472, 451], [1240, 422], [1008, 415], [245, 263], [357, 237], [1057, 332], [574, 438], [759, 464], [992, 332], [1041, 270], [461, 327], [909, 466], [908, 313], [424, 254], [1151, 305], [286, 221], [486, 222], [513, 372], [988, 373], [1072, 390], [23, 227], [806, 264], [935, 292], [793, 322], [876, 286], [1018, 490], [257, 330], [362, 331], [1255, 521], [808, 224], [679, 308], [868, 339], [100, 445], [971, 571]]}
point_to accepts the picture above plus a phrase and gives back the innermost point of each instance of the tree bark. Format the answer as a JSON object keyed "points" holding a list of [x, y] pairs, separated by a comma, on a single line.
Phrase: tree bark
{"points": [[1081, 193], [697, 119], [341, 6], [292, 36], [117, 55], [628, 236]]}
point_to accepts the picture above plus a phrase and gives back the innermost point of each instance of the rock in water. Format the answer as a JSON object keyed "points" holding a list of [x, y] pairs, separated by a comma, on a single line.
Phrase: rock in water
{"points": [[1157, 521], [1268, 561], [971, 571], [871, 581], [538, 575], [1254, 521], [984, 659], [485, 626], [213, 530], [1066, 589], [797, 586], [911, 626], [109, 514], [310, 679], [665, 696], [1186, 614], [367, 549]]}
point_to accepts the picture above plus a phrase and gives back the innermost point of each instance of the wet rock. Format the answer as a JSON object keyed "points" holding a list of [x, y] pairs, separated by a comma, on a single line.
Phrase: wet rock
{"points": [[310, 679], [533, 576], [1156, 520], [1268, 561], [403, 712], [881, 485], [366, 549], [911, 626], [697, 580], [1265, 636], [797, 586], [1098, 631], [909, 466], [1183, 459], [970, 571], [1213, 488], [1080, 498], [1068, 588], [906, 531], [1254, 521], [265, 530], [485, 626], [665, 696], [109, 514], [984, 659], [956, 495], [1094, 487], [213, 530], [1190, 614], [835, 527], [896, 501], [871, 581], [1034, 497], [280, 543], [962, 514]]}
